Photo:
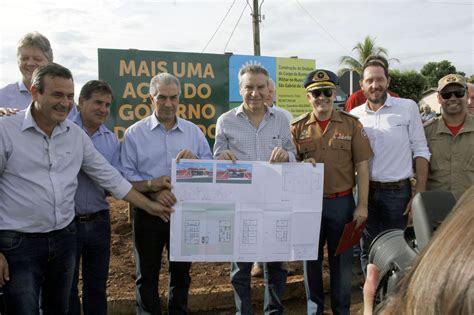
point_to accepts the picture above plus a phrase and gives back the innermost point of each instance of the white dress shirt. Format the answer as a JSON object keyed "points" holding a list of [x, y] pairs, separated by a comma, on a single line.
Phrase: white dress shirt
{"points": [[396, 136]]}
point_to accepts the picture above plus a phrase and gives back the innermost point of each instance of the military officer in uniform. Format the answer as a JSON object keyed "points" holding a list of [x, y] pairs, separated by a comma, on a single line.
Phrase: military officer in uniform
{"points": [[338, 140], [451, 139]]}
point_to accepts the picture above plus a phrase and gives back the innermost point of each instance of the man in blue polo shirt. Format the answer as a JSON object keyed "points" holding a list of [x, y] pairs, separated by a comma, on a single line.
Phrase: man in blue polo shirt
{"points": [[148, 148], [92, 209]]}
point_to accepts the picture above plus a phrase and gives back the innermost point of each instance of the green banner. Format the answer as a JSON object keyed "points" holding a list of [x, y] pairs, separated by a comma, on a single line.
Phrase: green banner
{"points": [[204, 86]]}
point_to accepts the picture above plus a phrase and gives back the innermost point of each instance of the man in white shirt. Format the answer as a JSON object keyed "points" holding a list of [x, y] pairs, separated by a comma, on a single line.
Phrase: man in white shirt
{"points": [[396, 136]]}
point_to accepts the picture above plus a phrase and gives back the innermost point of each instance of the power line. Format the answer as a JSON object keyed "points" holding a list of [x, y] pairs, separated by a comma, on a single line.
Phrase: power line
{"points": [[236, 24], [218, 27], [321, 26]]}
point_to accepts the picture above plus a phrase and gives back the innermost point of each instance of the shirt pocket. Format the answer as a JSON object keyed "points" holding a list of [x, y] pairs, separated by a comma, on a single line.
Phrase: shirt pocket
{"points": [[307, 148], [439, 153], [469, 164], [341, 150]]}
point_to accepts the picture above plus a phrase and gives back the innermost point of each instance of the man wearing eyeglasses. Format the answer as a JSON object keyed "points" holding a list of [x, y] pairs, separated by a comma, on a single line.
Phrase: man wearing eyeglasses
{"points": [[338, 140], [451, 139], [396, 136], [148, 148]]}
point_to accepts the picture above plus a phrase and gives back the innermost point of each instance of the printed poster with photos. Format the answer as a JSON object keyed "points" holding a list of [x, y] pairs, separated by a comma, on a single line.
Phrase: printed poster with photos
{"points": [[245, 211]]}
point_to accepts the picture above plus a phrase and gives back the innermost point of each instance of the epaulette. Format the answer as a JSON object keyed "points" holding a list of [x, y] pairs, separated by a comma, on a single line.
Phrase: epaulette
{"points": [[300, 117], [348, 114], [431, 121]]}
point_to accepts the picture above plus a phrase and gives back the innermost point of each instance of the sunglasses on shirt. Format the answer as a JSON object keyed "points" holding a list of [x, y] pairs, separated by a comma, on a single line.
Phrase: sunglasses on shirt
{"points": [[458, 94], [326, 92]]}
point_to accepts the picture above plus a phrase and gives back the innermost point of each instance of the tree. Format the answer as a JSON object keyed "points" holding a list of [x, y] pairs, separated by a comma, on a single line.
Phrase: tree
{"points": [[407, 84], [363, 50], [433, 71]]}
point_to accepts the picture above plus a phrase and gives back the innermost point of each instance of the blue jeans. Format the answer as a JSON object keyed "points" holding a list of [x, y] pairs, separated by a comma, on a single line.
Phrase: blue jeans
{"points": [[386, 207], [151, 235], [336, 213], [275, 281], [39, 264], [93, 245]]}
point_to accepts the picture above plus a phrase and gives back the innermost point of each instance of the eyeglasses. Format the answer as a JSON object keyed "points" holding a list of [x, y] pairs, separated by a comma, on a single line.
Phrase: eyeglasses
{"points": [[326, 92], [458, 94]]}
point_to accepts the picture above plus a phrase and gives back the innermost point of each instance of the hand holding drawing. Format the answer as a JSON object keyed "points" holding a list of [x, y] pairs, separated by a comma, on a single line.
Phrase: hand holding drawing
{"points": [[160, 183], [157, 209], [227, 155], [279, 155], [185, 154], [165, 197], [310, 160]]}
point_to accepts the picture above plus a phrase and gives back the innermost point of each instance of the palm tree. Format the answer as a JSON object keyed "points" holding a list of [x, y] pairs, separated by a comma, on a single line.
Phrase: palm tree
{"points": [[364, 50]]}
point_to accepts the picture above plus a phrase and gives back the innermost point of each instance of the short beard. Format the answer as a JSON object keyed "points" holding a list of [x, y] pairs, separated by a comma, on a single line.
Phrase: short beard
{"points": [[380, 100]]}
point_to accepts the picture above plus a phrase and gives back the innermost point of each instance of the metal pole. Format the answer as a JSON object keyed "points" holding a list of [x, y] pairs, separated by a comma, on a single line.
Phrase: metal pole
{"points": [[256, 28]]}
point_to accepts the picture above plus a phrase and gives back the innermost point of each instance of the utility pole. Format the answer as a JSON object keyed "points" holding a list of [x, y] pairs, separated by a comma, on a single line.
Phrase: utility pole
{"points": [[256, 28]]}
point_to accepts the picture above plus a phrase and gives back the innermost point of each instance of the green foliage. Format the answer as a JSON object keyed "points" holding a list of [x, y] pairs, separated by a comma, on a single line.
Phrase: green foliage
{"points": [[407, 84], [471, 79], [433, 71], [363, 50]]}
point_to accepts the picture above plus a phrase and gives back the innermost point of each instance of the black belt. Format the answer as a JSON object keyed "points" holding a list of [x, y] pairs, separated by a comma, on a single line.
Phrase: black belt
{"points": [[389, 185], [91, 216]]}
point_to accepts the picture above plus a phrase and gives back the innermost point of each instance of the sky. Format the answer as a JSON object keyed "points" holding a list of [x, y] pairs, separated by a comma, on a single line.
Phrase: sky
{"points": [[414, 31]]}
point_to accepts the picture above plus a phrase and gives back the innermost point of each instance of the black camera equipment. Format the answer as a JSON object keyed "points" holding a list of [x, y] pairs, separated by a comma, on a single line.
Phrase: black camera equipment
{"points": [[3, 310], [393, 251]]}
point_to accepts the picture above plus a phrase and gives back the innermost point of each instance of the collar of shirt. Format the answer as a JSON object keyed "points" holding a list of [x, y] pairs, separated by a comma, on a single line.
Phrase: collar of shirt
{"points": [[29, 122], [335, 117], [22, 87], [388, 103], [77, 119], [241, 112], [468, 126], [154, 123]]}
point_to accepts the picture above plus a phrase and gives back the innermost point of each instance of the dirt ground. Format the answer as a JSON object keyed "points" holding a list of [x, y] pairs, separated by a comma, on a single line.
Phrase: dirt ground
{"points": [[208, 277]]}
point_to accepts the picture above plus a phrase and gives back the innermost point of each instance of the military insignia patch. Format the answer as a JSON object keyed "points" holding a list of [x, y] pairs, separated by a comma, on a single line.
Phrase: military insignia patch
{"points": [[304, 134], [321, 76], [341, 136]]}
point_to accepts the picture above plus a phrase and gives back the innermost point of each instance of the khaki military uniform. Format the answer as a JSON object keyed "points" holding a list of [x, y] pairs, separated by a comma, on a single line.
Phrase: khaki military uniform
{"points": [[342, 145], [452, 157]]}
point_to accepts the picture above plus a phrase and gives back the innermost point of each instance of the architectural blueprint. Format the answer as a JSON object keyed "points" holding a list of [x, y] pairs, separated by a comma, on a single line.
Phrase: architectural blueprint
{"points": [[245, 211]]}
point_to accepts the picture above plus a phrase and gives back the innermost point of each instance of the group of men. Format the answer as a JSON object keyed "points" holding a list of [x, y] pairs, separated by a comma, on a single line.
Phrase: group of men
{"points": [[55, 174]]}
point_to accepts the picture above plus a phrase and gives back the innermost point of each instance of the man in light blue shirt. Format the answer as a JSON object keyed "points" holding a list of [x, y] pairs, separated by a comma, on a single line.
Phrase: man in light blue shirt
{"points": [[148, 148], [41, 154], [255, 132], [92, 208], [33, 51]]}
